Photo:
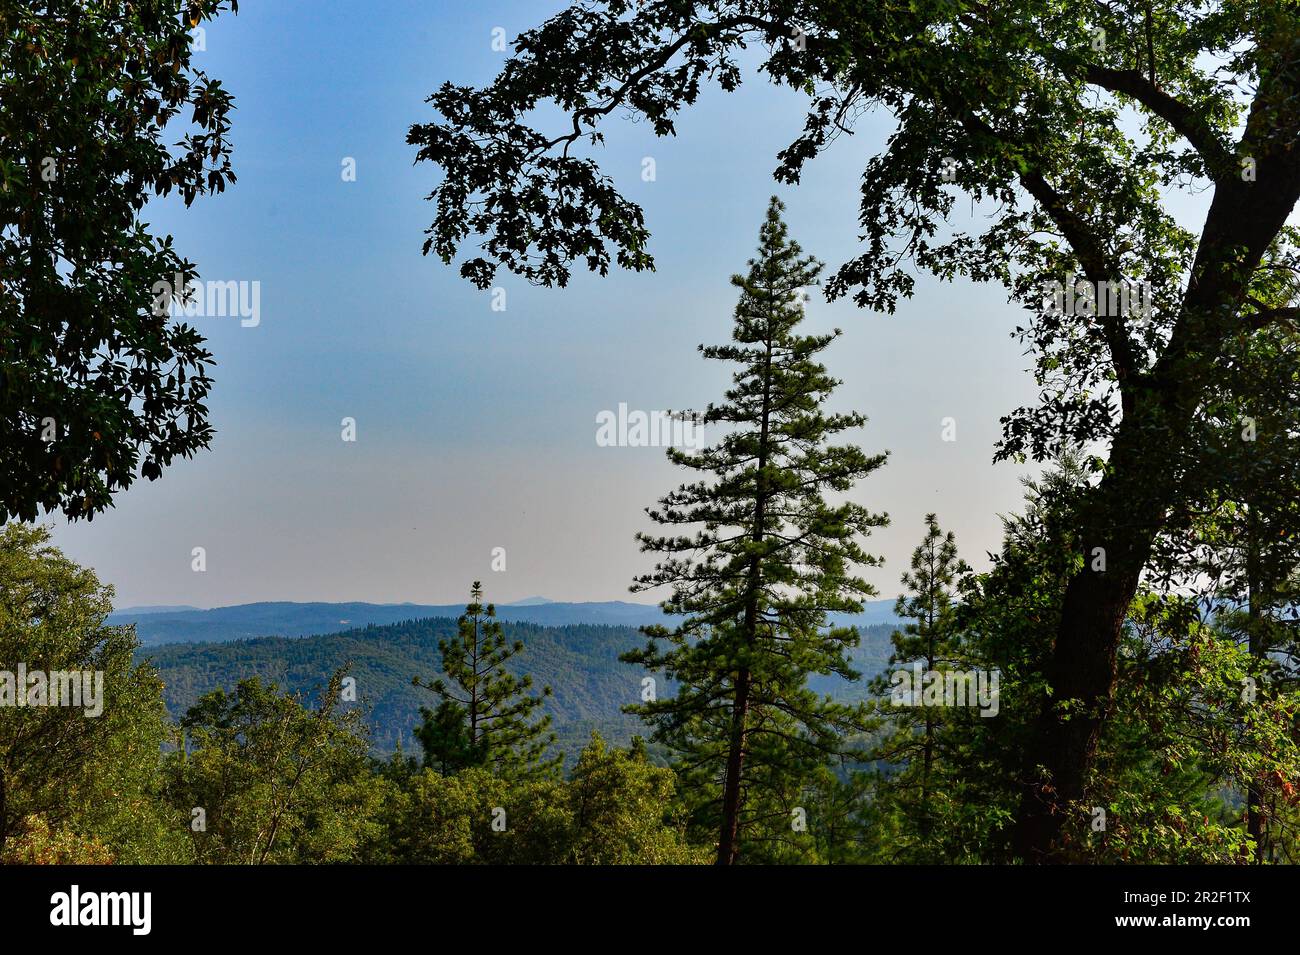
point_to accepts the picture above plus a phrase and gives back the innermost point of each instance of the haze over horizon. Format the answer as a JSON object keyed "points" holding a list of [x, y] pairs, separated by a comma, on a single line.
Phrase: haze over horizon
{"points": [[475, 428], [533, 601], [322, 552]]}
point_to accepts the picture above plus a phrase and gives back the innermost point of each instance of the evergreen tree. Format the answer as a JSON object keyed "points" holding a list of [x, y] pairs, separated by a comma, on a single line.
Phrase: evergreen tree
{"points": [[768, 558], [1014, 104], [444, 735], [1006, 620], [484, 717], [931, 639]]}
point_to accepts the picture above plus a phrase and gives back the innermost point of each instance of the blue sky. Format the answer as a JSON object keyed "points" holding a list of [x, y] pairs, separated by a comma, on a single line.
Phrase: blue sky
{"points": [[475, 428]]}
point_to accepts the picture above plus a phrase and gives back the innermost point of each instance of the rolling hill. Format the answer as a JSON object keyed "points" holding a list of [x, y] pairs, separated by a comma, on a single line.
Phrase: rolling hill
{"points": [[578, 661]]}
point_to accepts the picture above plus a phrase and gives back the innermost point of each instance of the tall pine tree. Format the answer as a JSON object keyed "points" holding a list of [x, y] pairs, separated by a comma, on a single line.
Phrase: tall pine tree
{"points": [[765, 559], [930, 638], [485, 714]]}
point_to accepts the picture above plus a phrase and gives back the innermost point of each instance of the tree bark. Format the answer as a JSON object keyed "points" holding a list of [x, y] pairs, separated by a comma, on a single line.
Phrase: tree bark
{"points": [[728, 842], [1127, 510], [1081, 674], [728, 838]]}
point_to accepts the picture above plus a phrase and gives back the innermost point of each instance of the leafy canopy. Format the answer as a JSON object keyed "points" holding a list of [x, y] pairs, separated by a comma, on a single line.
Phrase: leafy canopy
{"points": [[101, 108]]}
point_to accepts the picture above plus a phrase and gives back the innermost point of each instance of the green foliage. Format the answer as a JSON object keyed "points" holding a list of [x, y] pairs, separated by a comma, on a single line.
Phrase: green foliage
{"points": [[70, 775], [263, 779], [915, 792], [474, 817], [37, 845], [1194, 725], [616, 810], [769, 557], [1075, 132], [1184, 733], [97, 385], [444, 734], [1237, 548], [579, 662], [625, 811], [486, 715]]}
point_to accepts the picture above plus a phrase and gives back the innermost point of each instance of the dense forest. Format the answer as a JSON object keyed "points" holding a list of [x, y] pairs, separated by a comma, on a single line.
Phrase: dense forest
{"points": [[422, 741], [581, 663], [1120, 683]]}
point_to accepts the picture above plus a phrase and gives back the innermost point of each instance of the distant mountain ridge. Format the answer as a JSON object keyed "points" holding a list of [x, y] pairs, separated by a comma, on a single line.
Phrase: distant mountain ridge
{"points": [[161, 608], [159, 625]]}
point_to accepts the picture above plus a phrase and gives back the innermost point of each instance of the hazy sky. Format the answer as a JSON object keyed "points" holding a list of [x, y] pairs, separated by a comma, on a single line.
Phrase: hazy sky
{"points": [[476, 428]]}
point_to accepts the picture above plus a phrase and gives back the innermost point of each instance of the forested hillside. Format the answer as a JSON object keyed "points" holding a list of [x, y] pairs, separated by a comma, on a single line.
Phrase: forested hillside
{"points": [[1100, 667], [580, 664]]}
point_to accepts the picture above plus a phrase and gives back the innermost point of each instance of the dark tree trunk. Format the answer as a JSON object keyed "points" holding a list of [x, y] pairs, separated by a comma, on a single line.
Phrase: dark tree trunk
{"points": [[1128, 509], [1126, 512], [728, 838], [728, 841], [1082, 670]]}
